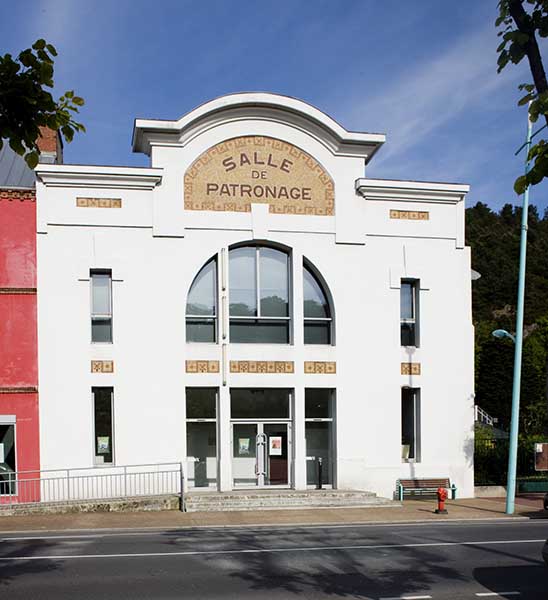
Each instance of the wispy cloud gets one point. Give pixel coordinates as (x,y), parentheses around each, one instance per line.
(431,94)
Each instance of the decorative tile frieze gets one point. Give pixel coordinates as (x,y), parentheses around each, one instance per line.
(202,366)
(99,202)
(411,215)
(17,291)
(19,390)
(261,366)
(102,366)
(320,367)
(410,368)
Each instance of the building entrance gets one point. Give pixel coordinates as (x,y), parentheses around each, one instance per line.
(261,437)
(260,454)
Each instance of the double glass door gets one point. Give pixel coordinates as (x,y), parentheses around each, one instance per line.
(260,454)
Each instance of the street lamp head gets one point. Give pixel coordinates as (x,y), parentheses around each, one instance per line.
(502,333)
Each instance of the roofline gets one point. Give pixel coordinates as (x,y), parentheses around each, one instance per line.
(425,191)
(257,100)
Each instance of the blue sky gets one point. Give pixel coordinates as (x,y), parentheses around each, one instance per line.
(423,72)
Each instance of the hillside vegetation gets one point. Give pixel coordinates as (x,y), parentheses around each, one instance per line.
(494,239)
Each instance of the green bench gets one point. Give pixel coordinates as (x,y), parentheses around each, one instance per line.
(424,486)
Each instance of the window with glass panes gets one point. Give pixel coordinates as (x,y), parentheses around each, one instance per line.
(201,306)
(201,437)
(409,325)
(317,312)
(101,306)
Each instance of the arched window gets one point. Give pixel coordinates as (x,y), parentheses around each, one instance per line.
(201,305)
(259,295)
(318,320)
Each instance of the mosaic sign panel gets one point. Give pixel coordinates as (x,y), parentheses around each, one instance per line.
(99,202)
(202,366)
(256,169)
(412,215)
(102,366)
(261,366)
(320,367)
(410,368)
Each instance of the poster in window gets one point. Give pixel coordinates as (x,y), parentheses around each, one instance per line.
(103,445)
(243,446)
(275,445)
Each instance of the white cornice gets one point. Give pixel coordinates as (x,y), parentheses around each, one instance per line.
(135,178)
(273,107)
(417,191)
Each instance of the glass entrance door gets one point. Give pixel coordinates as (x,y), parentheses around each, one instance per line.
(260,454)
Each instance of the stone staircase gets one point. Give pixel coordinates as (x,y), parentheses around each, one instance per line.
(242,500)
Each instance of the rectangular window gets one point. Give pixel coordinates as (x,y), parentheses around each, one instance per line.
(201,437)
(7,459)
(319,412)
(101,306)
(410,424)
(103,438)
(409,312)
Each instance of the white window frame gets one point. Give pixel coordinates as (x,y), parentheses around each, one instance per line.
(415,394)
(414,320)
(258,317)
(101,316)
(11,420)
(112,425)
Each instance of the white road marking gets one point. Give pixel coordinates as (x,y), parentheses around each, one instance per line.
(496,594)
(407,598)
(270,550)
(148,531)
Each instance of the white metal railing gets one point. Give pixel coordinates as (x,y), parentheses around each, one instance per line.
(480,416)
(90,483)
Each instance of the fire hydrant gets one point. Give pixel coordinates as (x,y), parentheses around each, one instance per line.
(442,497)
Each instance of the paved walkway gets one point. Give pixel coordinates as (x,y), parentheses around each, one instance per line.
(411,510)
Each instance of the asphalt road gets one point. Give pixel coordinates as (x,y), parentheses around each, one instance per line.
(418,561)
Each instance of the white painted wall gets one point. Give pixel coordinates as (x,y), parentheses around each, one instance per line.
(155,249)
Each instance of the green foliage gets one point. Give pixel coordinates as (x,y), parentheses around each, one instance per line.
(26,105)
(494,240)
(521,22)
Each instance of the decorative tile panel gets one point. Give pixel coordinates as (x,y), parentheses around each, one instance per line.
(412,215)
(17,291)
(102,366)
(410,368)
(235,173)
(202,366)
(99,202)
(261,366)
(320,367)
(18,390)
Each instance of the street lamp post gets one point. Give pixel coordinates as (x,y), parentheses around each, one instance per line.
(516,386)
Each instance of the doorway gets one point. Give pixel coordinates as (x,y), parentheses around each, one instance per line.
(260,454)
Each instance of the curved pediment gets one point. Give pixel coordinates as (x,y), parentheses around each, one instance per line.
(270,107)
(235,173)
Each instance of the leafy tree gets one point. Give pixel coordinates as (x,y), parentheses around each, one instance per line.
(26,105)
(522,22)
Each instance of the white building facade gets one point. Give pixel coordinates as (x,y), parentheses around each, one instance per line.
(253,306)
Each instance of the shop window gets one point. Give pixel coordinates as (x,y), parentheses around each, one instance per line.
(259,295)
(101,306)
(409,312)
(317,312)
(103,438)
(201,306)
(7,459)
(201,437)
(269,403)
(410,424)
(319,432)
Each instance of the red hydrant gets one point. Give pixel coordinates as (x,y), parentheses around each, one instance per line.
(442,497)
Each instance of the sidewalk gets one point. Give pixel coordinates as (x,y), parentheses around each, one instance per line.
(411,510)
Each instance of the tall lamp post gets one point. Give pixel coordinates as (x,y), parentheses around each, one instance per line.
(518,346)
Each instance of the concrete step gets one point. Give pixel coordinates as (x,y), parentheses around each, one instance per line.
(282,500)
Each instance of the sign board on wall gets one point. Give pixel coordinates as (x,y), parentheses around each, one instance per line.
(256,169)
(541,457)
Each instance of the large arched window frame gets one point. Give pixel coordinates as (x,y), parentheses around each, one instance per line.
(260,299)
